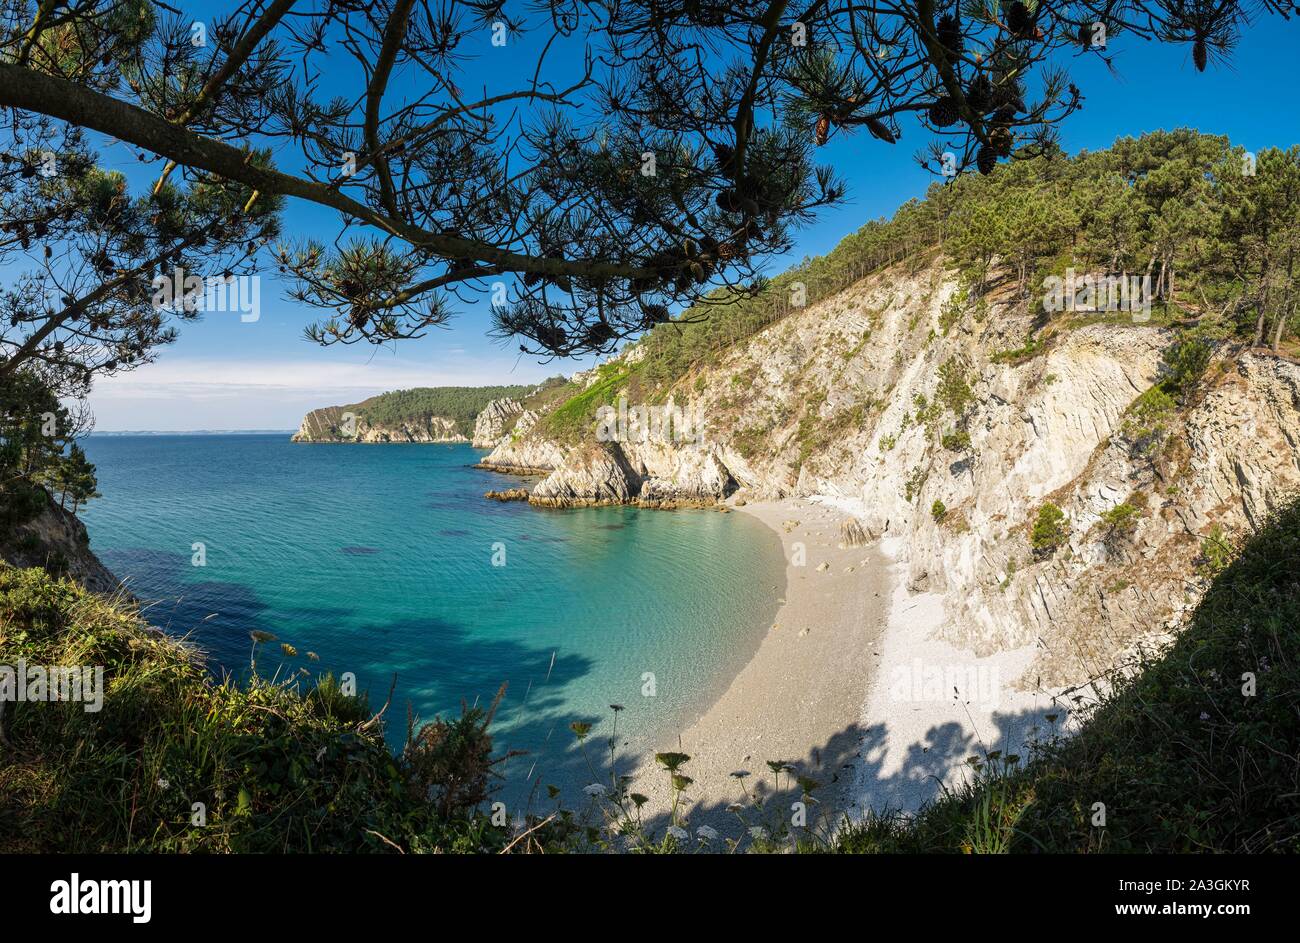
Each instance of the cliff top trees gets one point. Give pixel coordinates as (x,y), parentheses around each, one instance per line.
(655,150)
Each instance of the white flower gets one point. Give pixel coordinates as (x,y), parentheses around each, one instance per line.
(678,833)
(735,807)
(705,833)
(1204,716)
(595,789)
(162,783)
(757,832)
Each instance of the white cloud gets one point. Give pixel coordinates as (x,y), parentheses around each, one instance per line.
(197,393)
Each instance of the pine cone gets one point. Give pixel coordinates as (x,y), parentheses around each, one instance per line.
(1020,21)
(943,113)
(986,159)
(980,94)
(948,29)
(1200,54)
(823,129)
(880,130)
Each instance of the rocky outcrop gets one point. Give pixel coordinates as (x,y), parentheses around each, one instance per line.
(510,494)
(57,541)
(926,418)
(347,424)
(495,422)
(591,475)
(525,455)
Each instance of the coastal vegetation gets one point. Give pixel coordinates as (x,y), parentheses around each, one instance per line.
(1221,281)
(39,456)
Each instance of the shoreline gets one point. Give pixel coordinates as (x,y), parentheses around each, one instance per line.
(853,688)
(799,697)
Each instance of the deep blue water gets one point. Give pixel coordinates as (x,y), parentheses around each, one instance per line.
(379,559)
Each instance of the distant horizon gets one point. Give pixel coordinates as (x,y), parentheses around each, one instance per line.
(125,432)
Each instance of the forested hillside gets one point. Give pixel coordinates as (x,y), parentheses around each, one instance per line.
(1215,227)
(458,403)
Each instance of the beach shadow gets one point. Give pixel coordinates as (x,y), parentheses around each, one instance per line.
(855,774)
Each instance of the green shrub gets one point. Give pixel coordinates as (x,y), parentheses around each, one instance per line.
(938,510)
(958,440)
(1121,520)
(1184,361)
(1051,529)
(278,767)
(1216,553)
(1146,423)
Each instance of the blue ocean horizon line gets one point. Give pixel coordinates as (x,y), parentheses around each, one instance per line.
(182,432)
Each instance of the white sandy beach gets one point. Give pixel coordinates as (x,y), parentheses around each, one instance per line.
(931,705)
(849,687)
(799,697)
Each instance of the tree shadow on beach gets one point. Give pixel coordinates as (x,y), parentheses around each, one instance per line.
(858,770)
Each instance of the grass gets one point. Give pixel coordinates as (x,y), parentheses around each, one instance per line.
(576,416)
(1198,750)
(176,761)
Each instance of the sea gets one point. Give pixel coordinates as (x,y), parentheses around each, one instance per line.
(385,566)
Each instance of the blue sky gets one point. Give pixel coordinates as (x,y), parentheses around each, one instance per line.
(224,374)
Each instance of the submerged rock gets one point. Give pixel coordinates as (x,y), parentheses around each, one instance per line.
(510,494)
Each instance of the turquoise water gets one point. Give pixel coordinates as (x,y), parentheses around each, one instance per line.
(379,558)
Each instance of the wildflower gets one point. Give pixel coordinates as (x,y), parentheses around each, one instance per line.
(595,789)
(162,783)
(704,833)
(678,832)
(757,832)
(735,807)
(1204,715)
(670,761)
(580,729)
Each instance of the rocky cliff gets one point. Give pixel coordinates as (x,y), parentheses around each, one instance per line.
(57,541)
(482,415)
(348,424)
(931,421)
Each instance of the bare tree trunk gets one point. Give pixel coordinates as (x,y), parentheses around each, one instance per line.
(1261,320)
(1282,317)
